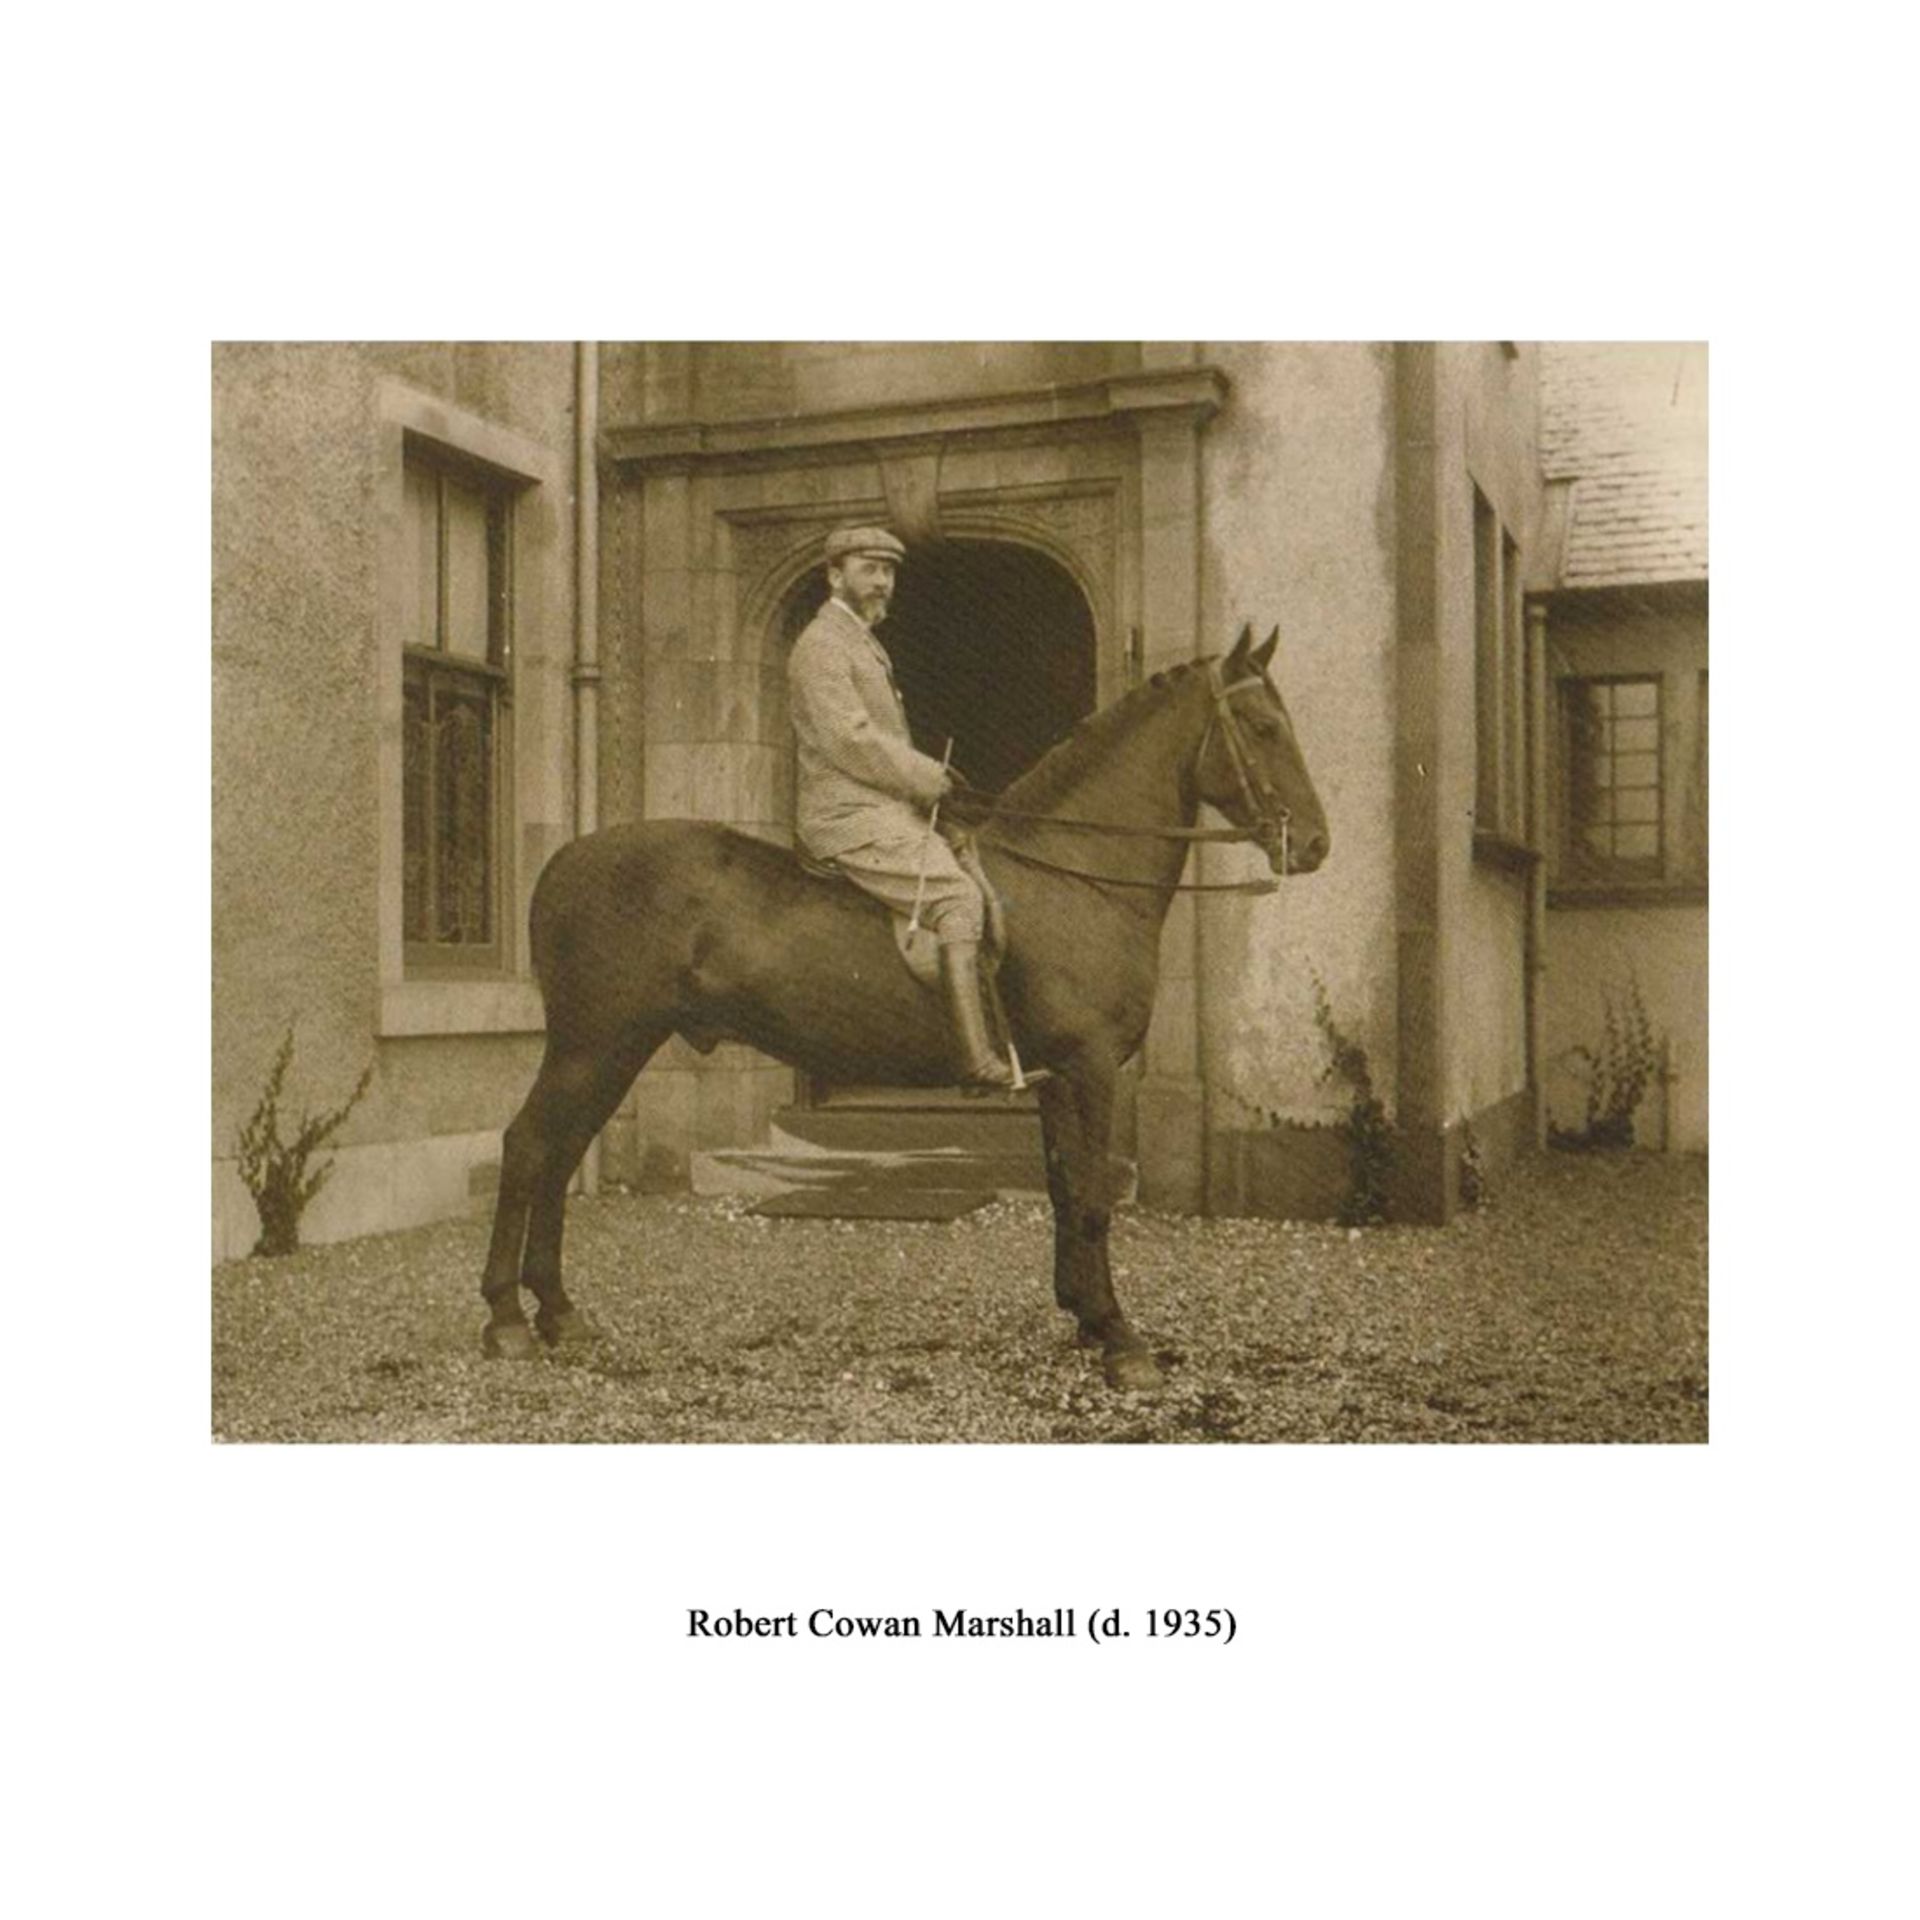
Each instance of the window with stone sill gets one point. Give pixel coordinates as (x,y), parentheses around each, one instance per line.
(1616,799)
(455,714)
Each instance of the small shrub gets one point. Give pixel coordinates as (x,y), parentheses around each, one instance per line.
(1473,1170)
(1619,1071)
(1369,1133)
(281,1174)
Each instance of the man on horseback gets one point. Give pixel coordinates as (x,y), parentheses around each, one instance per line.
(866,794)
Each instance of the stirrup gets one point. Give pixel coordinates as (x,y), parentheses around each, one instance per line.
(1018,1080)
(992,1075)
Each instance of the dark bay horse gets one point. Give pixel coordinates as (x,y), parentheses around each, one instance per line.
(664,927)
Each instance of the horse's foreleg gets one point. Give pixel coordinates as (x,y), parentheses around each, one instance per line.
(1076,1114)
(1061,1132)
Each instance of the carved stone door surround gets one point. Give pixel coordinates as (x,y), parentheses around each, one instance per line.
(729,516)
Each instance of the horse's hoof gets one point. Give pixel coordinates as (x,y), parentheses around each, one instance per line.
(1133,1370)
(512,1341)
(567,1328)
(1086,1339)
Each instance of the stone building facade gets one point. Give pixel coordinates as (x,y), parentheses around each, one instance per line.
(472,600)
(1624,606)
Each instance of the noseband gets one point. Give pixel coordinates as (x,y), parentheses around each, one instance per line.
(1269,818)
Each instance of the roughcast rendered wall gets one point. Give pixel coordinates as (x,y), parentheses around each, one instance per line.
(1296,513)
(296,791)
(1297,474)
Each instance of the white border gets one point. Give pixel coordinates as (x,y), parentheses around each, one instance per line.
(1518,1682)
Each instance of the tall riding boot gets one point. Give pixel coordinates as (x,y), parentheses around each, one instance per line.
(980,1065)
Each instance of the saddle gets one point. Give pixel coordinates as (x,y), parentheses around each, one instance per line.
(918,948)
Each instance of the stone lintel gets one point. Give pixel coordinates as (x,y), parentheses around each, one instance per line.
(915,426)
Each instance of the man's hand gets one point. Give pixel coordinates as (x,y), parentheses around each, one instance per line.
(964,801)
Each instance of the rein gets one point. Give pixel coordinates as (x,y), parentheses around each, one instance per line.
(1261,801)
(1120,832)
(1155,886)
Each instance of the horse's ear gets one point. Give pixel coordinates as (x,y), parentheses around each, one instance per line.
(1260,658)
(1237,658)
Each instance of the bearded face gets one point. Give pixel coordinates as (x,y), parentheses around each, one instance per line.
(865,582)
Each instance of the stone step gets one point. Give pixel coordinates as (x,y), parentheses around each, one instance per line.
(790,1166)
(903,1152)
(841,1201)
(980,1126)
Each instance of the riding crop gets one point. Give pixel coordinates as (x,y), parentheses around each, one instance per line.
(926,846)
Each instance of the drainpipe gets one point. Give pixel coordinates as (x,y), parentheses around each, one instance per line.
(1537,877)
(586,624)
(586,588)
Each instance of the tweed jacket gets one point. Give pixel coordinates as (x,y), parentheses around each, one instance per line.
(861,779)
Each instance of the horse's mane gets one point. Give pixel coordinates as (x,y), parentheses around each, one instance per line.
(1067,762)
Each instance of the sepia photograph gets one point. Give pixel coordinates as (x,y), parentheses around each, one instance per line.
(960,891)
(958,1070)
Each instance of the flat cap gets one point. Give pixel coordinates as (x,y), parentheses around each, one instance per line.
(844,542)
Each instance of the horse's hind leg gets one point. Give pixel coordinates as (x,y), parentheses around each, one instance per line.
(506,1336)
(573,1097)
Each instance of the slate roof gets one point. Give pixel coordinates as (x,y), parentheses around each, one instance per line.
(1626,424)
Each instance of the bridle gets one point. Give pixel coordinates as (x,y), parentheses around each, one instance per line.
(1269,816)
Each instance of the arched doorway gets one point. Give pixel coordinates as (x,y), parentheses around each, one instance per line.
(992,644)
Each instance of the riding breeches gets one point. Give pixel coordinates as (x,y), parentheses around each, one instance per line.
(890,869)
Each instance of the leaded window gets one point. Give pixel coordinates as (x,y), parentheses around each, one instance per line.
(457,596)
(1614,791)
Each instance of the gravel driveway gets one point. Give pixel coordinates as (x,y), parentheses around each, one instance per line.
(1571,1306)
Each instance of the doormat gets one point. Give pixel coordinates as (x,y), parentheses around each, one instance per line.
(836,1202)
